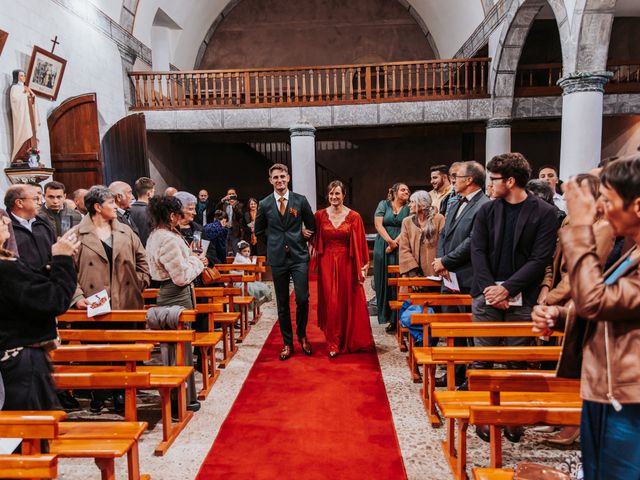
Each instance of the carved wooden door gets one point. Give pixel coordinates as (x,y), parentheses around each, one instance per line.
(75,142)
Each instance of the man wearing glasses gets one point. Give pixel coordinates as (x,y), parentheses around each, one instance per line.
(512,243)
(34,234)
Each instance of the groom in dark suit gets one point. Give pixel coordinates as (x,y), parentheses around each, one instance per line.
(279,223)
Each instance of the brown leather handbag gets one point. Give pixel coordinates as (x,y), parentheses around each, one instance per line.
(210,275)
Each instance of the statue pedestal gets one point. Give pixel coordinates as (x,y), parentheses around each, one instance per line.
(28,175)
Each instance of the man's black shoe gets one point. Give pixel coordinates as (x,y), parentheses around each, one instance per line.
(513,433)
(441,381)
(194,406)
(96,405)
(118,403)
(464,386)
(483,432)
(68,401)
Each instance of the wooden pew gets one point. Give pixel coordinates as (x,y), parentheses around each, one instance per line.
(211,301)
(102,441)
(407,283)
(497,381)
(251,273)
(179,337)
(161,378)
(503,415)
(213,307)
(451,326)
(28,466)
(430,300)
(125,377)
(422,356)
(510,387)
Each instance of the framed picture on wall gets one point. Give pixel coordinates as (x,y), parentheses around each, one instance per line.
(3,39)
(45,73)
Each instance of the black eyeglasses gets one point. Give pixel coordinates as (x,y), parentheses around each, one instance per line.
(493,179)
(454,177)
(35,199)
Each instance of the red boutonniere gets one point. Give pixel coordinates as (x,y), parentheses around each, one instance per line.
(293,212)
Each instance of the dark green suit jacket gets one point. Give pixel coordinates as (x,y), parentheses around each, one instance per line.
(282,233)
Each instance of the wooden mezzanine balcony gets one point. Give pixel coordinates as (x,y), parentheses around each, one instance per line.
(534,80)
(311,86)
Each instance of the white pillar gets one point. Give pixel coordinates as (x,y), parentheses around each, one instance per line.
(498,140)
(303,161)
(581,144)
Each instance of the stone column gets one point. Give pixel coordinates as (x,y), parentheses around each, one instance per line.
(303,161)
(498,137)
(582,94)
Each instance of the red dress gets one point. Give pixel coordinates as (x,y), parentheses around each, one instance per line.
(342,307)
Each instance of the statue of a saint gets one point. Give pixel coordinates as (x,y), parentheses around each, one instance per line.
(25,118)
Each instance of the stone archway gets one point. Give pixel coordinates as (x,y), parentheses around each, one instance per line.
(591,31)
(517,24)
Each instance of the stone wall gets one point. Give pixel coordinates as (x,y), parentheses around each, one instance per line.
(282,33)
(93,65)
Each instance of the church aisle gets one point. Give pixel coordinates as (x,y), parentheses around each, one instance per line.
(308,417)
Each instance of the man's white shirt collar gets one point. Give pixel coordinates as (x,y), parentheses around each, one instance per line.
(277,196)
(471,195)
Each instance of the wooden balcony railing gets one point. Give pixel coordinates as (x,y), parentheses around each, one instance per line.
(388,82)
(540,79)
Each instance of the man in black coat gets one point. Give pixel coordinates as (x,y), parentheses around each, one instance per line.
(279,222)
(34,234)
(139,210)
(454,246)
(513,241)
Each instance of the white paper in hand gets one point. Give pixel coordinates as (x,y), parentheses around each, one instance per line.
(452,284)
(98,304)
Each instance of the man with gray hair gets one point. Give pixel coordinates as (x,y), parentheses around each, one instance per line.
(454,247)
(124,197)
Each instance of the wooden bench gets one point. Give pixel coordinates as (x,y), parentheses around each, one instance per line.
(179,337)
(493,474)
(102,441)
(401,283)
(451,326)
(204,341)
(508,387)
(161,378)
(430,300)
(251,273)
(28,466)
(70,377)
(212,301)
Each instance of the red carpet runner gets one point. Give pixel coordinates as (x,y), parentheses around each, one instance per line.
(308,418)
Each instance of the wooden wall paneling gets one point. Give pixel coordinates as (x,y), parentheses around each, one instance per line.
(75,142)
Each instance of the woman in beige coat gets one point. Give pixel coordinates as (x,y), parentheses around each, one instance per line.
(111,258)
(419,236)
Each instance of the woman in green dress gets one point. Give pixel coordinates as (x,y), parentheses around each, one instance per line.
(388,220)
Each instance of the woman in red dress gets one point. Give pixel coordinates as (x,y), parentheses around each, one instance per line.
(342,258)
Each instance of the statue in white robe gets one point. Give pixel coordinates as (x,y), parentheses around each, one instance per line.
(25,118)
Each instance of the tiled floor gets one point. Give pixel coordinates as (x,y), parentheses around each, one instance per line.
(419,443)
